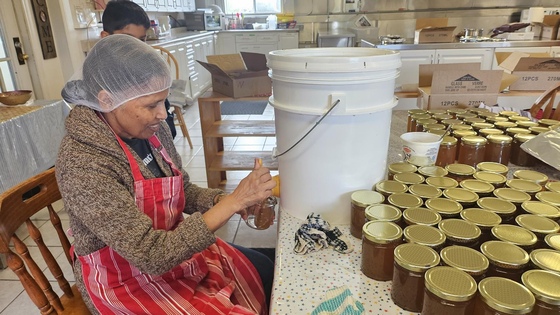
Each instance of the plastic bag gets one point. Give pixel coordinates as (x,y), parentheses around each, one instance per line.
(545,147)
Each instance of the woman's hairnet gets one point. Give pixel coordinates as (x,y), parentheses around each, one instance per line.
(124,68)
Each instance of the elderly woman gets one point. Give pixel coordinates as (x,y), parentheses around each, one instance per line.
(125,192)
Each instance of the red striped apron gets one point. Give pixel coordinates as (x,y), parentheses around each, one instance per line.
(219,280)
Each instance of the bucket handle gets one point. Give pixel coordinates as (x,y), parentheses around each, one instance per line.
(308,132)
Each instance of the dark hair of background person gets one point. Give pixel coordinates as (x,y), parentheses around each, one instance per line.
(120,13)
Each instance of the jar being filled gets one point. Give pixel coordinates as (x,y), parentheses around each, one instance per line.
(262,217)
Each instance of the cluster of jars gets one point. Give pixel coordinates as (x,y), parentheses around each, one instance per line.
(478,135)
(462,239)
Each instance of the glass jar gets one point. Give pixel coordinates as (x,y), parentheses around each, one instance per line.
(547,122)
(451,122)
(518,118)
(463,196)
(493,167)
(429,127)
(389,187)
(514,196)
(544,286)
(503,208)
(411,263)
(498,149)
(508,113)
(553,241)
(495,119)
(441,182)
(482,125)
(424,235)
(465,115)
(405,200)
(424,191)
(439,132)
(460,232)
(512,132)
(519,156)
(499,296)
(504,125)
(477,110)
(465,259)
(410,113)
(400,167)
(485,115)
(546,259)
(420,123)
(447,151)
(380,238)
(538,130)
(421,216)
(484,219)
(460,171)
(461,126)
(409,178)
(416,117)
(383,213)
(445,207)
(359,201)
(475,120)
(456,111)
(482,189)
(432,171)
(459,134)
(497,180)
(541,209)
(442,116)
(534,176)
(553,186)
(436,111)
(527,124)
(541,226)
(489,131)
(448,291)
(515,235)
(506,260)
(472,150)
(524,185)
(549,197)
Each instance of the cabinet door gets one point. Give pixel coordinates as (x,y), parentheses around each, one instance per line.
(256,48)
(188,5)
(288,40)
(495,66)
(555,51)
(225,44)
(482,55)
(411,60)
(207,49)
(179,51)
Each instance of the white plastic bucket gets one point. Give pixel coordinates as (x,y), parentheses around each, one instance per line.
(347,151)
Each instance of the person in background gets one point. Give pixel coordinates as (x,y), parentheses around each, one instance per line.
(126,193)
(127,17)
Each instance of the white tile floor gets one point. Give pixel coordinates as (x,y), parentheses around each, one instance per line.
(13,299)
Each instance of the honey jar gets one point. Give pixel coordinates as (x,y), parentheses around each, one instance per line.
(359,201)
(513,131)
(534,176)
(508,113)
(411,263)
(445,207)
(448,291)
(472,150)
(414,118)
(504,125)
(474,120)
(383,212)
(439,132)
(495,119)
(424,235)
(463,196)
(380,238)
(477,110)
(489,131)
(484,219)
(517,197)
(410,113)
(409,178)
(498,149)
(483,189)
(388,187)
(460,232)
(538,130)
(436,111)
(505,209)
(527,124)
(451,122)
(515,235)
(400,167)
(499,296)
(544,286)
(466,115)
(432,171)
(549,197)
(442,116)
(436,126)
(465,259)
(421,123)
(524,185)
(459,134)
(405,200)
(456,111)
(547,122)
(541,209)
(519,156)
(498,180)
(485,115)
(519,118)
(460,171)
(441,182)
(481,125)
(447,151)
(541,226)
(424,191)
(421,216)
(553,241)
(493,167)
(553,186)
(506,260)
(461,126)
(546,259)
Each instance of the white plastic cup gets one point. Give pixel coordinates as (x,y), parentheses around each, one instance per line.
(420,148)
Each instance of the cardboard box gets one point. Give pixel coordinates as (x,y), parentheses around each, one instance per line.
(549,28)
(427,100)
(239,75)
(536,71)
(433,30)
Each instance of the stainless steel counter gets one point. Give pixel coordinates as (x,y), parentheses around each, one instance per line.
(506,44)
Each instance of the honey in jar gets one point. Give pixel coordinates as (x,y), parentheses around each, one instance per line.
(432,171)
(553,241)
(380,238)
(544,286)
(508,113)
(515,235)
(447,151)
(411,263)
(553,186)
(517,197)
(527,124)
(482,189)
(442,116)
(451,122)
(499,296)
(460,232)
(498,149)
(524,185)
(448,291)
(513,131)
(409,117)
(498,180)
(546,259)
(538,130)
(465,259)
(505,209)
(472,150)
(463,196)
(506,260)
(482,125)
(489,131)
(383,212)
(463,116)
(424,191)
(484,219)
(493,167)
(445,207)
(541,226)
(400,167)
(416,117)
(549,197)
(518,118)
(421,123)
(504,125)
(548,122)
(441,182)
(421,216)
(405,200)
(388,187)
(455,111)
(485,115)
(459,134)
(460,171)
(519,156)
(495,119)
(475,120)
(409,178)
(359,201)
(424,235)
(429,127)
(531,175)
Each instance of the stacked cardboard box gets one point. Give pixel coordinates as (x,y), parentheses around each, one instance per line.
(433,30)
(536,71)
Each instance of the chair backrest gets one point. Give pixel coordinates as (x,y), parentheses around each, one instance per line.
(17,205)
(170,59)
(546,103)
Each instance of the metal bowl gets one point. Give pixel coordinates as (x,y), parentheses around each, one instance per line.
(15,97)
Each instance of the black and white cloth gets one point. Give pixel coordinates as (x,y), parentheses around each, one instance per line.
(317,234)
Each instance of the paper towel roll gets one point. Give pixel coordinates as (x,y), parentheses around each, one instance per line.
(536,15)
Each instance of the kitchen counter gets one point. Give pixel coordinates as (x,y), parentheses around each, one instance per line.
(455,45)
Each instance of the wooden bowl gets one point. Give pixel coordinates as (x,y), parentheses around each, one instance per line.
(15,97)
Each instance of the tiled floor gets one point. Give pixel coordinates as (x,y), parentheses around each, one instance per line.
(13,299)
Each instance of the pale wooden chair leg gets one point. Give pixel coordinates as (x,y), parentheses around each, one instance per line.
(177,109)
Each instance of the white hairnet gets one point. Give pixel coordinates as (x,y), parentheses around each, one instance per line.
(122,66)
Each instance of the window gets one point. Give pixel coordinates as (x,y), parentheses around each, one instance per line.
(253,6)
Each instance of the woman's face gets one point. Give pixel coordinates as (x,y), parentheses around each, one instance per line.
(139,118)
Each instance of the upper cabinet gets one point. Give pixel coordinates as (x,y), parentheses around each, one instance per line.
(167,5)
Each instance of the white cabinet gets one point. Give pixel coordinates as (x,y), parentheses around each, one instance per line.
(187,5)
(495,66)
(207,48)
(225,43)
(179,51)
(258,41)
(288,40)
(477,55)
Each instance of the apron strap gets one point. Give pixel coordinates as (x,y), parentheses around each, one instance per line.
(154,141)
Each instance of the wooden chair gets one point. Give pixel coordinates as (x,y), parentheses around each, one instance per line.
(171,60)
(546,102)
(17,205)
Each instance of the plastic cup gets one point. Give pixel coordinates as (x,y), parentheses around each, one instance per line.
(420,148)
(262,216)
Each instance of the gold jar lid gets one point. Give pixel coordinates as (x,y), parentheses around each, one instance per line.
(423,235)
(409,178)
(444,207)
(504,125)
(519,118)
(426,121)
(492,167)
(451,122)
(500,139)
(432,171)
(448,140)
(473,120)
(516,131)
(421,216)
(496,205)
(477,110)
(504,254)
(442,116)
(440,132)
(441,182)
(383,212)
(545,285)
(489,177)
(401,167)
(508,113)
(420,116)
(460,133)
(390,187)
(461,195)
(487,114)
(460,169)
(436,111)
(553,186)
(424,191)
(541,209)
(534,176)
(455,111)
(474,140)
(434,127)
(524,185)
(416,111)
(537,224)
(521,137)
(382,232)
(512,195)
(466,115)
(461,127)
(495,119)
(538,130)
(459,230)
(404,200)
(527,124)
(450,284)
(416,257)
(466,259)
(548,122)
(481,218)
(490,131)
(553,241)
(546,259)
(364,198)
(514,234)
(506,296)
(482,125)
(550,197)
(477,186)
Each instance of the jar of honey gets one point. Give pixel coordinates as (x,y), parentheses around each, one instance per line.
(477,110)
(432,171)
(383,212)
(472,150)
(424,191)
(527,124)
(447,151)
(463,196)
(544,286)
(518,118)
(499,296)
(436,126)
(445,207)
(493,167)
(451,122)
(411,263)
(400,167)
(460,232)
(448,291)
(553,241)
(442,116)
(461,126)
(498,149)
(489,131)
(405,200)
(504,125)
(459,134)
(506,260)
(436,111)
(517,197)
(498,180)
(475,120)
(515,235)
(519,156)
(524,185)
(549,197)
(538,130)
(541,209)
(456,111)
(546,259)
(460,171)
(409,117)
(441,182)
(534,176)
(420,123)
(421,216)
(380,238)
(485,115)
(512,132)
(414,118)
(548,122)
(409,178)
(495,119)
(483,189)
(484,219)
(424,235)
(505,209)
(359,201)
(508,113)
(389,187)
(482,125)
(465,259)
(541,226)
(553,186)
